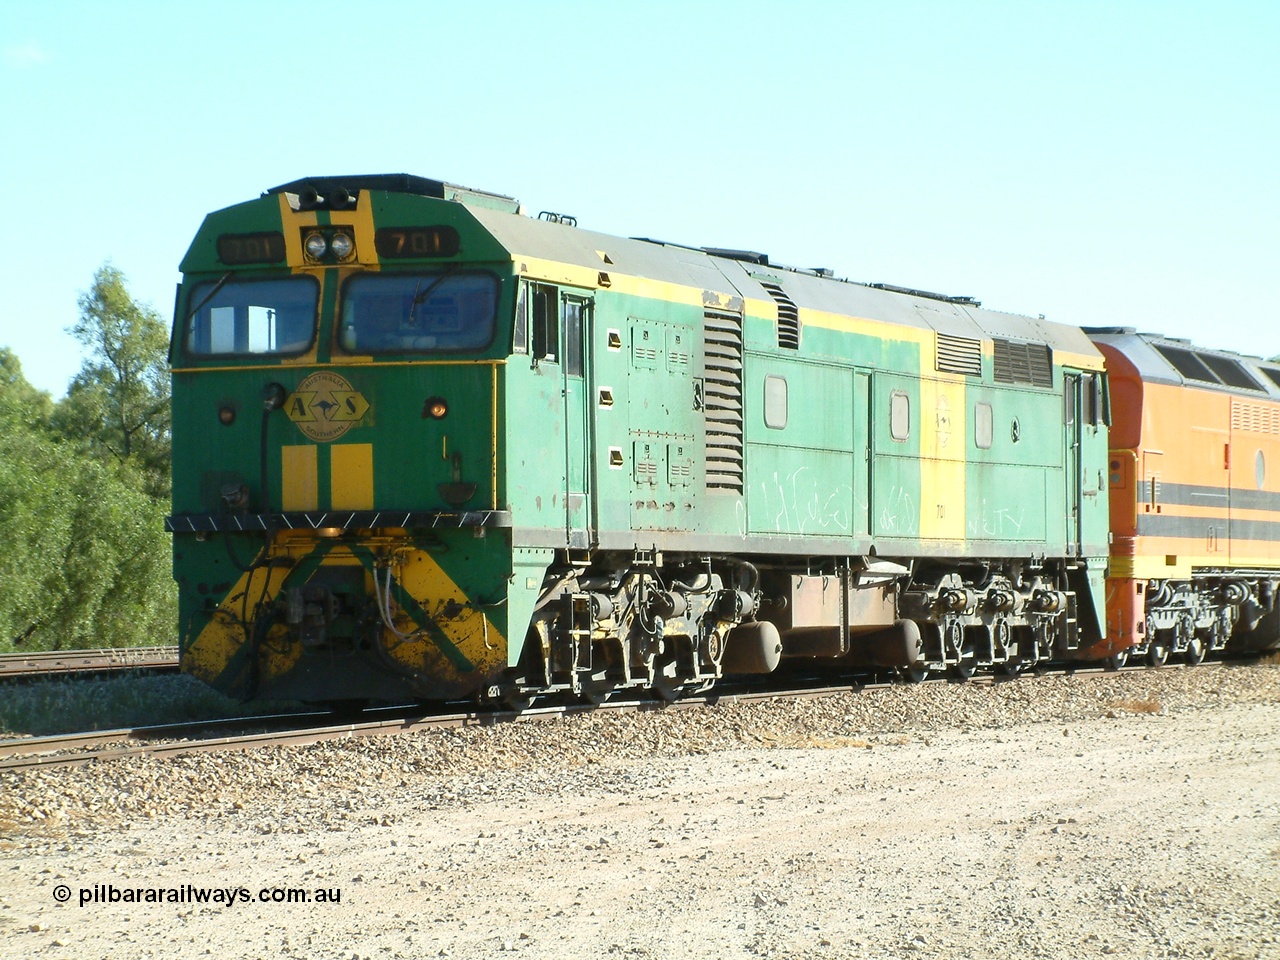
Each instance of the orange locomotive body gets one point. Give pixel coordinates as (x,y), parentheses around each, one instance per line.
(1195,499)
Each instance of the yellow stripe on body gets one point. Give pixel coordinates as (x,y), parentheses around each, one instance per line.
(347,361)
(1157,567)
(553,271)
(924,337)
(352,476)
(942,458)
(361,219)
(1260,561)
(293,221)
(1078,361)
(300,479)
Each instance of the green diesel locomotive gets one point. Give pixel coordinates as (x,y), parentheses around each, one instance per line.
(429,447)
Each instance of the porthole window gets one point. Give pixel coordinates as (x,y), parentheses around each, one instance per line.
(775,403)
(982,426)
(899,416)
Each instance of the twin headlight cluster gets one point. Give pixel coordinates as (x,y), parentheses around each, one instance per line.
(328,246)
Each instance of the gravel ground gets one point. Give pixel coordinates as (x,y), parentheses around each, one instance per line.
(1135,815)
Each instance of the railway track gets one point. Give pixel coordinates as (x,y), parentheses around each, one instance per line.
(245,733)
(298,729)
(33,666)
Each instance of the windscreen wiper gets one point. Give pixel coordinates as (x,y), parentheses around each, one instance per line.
(208,296)
(421,297)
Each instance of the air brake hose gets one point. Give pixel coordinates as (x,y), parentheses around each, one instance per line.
(273,398)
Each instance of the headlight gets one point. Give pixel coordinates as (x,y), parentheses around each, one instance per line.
(316,246)
(342,246)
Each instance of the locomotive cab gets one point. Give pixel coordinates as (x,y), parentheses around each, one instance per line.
(336,430)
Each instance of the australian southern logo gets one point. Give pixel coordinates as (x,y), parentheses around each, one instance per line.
(325,406)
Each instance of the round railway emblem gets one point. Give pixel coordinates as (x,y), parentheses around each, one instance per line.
(325,406)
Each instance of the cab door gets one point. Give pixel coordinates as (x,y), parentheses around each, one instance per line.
(575,328)
(1071,390)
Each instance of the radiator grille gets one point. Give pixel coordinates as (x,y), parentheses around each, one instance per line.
(788,316)
(1029,363)
(1254,417)
(722,400)
(959,355)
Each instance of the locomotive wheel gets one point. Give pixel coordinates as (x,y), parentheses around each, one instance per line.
(514,698)
(668,689)
(1158,652)
(912,674)
(1117,660)
(1196,650)
(965,669)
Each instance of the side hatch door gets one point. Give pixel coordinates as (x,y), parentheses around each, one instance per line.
(575,327)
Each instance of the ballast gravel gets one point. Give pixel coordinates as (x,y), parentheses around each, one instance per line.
(1133,814)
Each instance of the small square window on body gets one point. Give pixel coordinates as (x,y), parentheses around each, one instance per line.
(775,403)
(899,416)
(982,426)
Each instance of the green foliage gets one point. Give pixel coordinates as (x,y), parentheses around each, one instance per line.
(118,404)
(86,558)
(21,404)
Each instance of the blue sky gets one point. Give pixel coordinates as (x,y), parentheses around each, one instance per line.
(1100,163)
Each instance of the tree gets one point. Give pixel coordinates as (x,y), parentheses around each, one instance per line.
(85,559)
(20,402)
(118,404)
(84,487)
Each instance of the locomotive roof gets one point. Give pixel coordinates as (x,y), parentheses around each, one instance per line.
(558,242)
(746,273)
(1160,359)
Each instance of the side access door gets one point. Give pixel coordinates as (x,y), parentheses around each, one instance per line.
(1073,420)
(575,329)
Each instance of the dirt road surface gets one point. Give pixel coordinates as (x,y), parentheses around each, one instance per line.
(1142,820)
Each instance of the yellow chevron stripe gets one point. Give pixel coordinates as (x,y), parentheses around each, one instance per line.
(450,607)
(212,651)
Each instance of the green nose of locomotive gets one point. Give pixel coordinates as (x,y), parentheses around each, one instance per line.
(337,518)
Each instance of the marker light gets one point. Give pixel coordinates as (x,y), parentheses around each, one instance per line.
(435,408)
(342,246)
(316,246)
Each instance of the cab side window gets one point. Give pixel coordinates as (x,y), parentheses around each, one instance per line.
(545,321)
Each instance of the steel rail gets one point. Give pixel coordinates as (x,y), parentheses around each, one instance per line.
(172,739)
(16,666)
(176,739)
